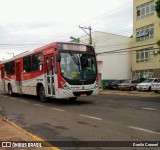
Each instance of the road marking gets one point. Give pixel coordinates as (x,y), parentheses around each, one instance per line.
(152,109)
(38,105)
(57,109)
(24,101)
(91,117)
(145,130)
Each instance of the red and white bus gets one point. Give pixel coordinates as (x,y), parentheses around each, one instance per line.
(57,70)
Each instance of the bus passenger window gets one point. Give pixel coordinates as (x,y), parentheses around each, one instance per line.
(47,65)
(37,62)
(53,65)
(10,68)
(27,64)
(6,68)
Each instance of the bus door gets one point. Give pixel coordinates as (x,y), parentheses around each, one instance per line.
(50,67)
(18,77)
(2,79)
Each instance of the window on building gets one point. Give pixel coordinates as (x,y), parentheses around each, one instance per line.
(138,13)
(144,74)
(144,33)
(143,55)
(10,68)
(145,10)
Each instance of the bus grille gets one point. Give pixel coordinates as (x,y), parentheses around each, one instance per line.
(82,93)
(77,82)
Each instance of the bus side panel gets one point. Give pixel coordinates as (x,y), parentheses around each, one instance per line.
(30,86)
(14,86)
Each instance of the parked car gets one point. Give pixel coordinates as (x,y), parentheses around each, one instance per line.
(107,85)
(156,86)
(128,85)
(146,84)
(114,84)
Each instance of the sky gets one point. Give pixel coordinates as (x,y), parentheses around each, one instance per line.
(28,24)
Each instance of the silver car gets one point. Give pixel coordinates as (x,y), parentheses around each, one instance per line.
(128,85)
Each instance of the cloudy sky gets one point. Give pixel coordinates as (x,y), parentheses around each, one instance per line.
(27,24)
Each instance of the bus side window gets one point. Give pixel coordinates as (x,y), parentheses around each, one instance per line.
(40,62)
(27,64)
(37,62)
(53,64)
(6,68)
(12,67)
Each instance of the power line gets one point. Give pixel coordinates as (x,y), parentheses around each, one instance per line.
(121,50)
(108,17)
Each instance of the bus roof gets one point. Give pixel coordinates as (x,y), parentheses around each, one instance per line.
(23,54)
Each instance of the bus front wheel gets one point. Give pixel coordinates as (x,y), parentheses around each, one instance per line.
(42,94)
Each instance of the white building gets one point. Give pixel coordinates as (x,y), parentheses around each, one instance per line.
(111,66)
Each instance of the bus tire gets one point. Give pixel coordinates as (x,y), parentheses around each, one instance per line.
(149,89)
(131,89)
(10,90)
(42,95)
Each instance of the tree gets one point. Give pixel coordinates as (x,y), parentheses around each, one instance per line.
(157,8)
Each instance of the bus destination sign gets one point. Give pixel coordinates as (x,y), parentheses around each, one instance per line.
(72,47)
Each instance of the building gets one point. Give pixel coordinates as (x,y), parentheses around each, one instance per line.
(111,65)
(146,32)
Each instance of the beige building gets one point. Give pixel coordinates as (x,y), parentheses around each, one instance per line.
(146,32)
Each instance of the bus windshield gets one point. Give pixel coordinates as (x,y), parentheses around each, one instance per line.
(78,66)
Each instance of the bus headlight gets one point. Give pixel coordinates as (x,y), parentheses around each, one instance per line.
(65,86)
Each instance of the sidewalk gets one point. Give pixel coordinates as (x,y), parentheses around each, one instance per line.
(10,132)
(130,93)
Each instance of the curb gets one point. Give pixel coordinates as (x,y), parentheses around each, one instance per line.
(30,134)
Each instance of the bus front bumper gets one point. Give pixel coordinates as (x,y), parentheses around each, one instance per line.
(80,93)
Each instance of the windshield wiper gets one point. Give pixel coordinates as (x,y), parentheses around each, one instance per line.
(75,58)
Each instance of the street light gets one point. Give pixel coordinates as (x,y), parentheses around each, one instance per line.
(73,38)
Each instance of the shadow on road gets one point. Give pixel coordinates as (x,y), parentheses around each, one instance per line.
(30,98)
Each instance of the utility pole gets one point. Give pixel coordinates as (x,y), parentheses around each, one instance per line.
(89,34)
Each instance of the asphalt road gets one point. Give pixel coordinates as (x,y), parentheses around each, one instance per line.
(104,117)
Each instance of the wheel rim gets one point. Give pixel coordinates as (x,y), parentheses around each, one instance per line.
(42,94)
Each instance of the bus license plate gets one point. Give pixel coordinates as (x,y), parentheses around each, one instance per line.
(83,95)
